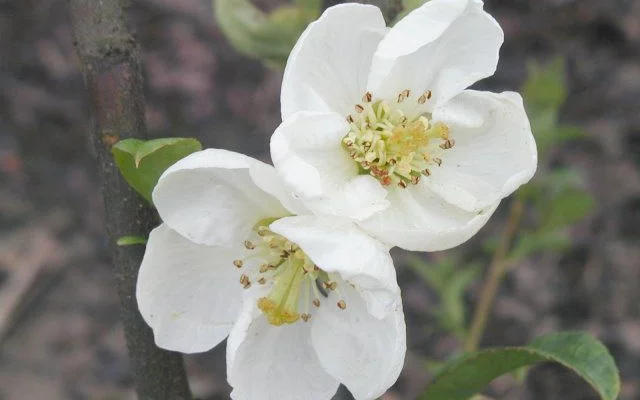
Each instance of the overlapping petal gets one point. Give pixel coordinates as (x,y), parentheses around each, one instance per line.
(421,220)
(444,46)
(328,67)
(363,352)
(215,197)
(495,151)
(187,293)
(339,246)
(275,363)
(307,151)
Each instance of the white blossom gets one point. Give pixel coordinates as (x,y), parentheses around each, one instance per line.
(307,302)
(379,126)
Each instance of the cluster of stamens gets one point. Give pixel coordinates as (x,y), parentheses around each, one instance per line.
(289,271)
(392,147)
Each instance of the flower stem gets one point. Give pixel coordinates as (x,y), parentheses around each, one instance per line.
(497,271)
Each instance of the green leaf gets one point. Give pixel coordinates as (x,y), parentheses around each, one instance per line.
(566,208)
(532,243)
(142,162)
(545,87)
(131,240)
(450,283)
(580,352)
(268,37)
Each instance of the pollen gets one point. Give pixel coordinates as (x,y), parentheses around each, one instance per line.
(392,146)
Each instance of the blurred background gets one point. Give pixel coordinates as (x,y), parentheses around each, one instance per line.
(60,337)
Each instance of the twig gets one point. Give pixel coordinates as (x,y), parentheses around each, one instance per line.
(112,71)
(497,271)
(24,273)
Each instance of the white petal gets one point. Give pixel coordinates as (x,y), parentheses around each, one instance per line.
(494,154)
(420,220)
(443,46)
(275,362)
(307,151)
(215,197)
(363,352)
(328,67)
(188,293)
(338,246)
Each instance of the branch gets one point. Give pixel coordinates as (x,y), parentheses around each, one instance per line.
(497,271)
(112,71)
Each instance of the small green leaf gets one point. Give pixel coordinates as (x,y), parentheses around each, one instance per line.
(545,87)
(531,243)
(580,352)
(142,162)
(566,208)
(268,37)
(130,240)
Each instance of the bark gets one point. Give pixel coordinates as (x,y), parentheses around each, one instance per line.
(112,70)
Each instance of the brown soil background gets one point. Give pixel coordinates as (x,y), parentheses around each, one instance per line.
(64,340)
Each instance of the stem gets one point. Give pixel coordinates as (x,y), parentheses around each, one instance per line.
(497,271)
(112,71)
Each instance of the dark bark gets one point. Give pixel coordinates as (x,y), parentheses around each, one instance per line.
(112,70)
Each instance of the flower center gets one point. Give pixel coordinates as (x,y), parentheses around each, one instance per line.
(290,273)
(395,148)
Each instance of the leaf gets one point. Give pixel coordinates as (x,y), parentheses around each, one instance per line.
(580,352)
(130,240)
(268,37)
(566,208)
(142,162)
(532,243)
(545,87)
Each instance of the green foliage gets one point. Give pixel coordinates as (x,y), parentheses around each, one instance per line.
(268,37)
(450,283)
(464,377)
(142,162)
(130,240)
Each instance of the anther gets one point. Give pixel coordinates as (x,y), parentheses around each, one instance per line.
(428,94)
(403,95)
(238,263)
(359,108)
(426,172)
(367,97)
(249,245)
(402,184)
(264,268)
(447,144)
(350,119)
(438,161)
(316,302)
(244,281)
(415,179)
(305,317)
(330,285)
(422,99)
(342,305)
(262,280)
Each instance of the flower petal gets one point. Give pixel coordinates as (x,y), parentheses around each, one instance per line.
(187,293)
(328,67)
(215,197)
(420,220)
(495,151)
(443,46)
(308,154)
(339,246)
(363,352)
(275,362)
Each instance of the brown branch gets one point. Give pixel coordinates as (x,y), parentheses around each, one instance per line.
(112,71)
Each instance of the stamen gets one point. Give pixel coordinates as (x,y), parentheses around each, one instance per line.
(238,263)
(342,304)
(367,97)
(403,95)
(249,245)
(359,108)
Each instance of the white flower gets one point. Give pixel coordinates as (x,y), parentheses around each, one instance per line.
(378,125)
(307,302)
